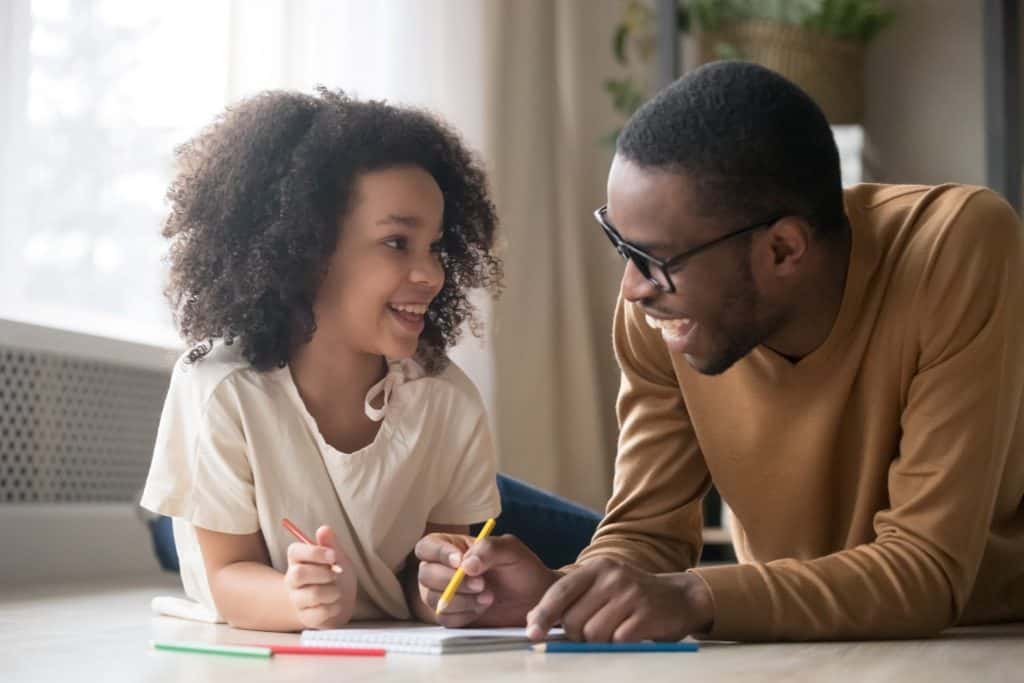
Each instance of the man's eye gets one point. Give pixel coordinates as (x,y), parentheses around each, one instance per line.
(675,267)
(396,242)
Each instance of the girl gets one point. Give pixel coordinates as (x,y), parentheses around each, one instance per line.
(322,250)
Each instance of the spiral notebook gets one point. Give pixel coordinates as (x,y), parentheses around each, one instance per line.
(424,639)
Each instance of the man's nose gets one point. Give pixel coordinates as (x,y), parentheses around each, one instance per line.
(636,287)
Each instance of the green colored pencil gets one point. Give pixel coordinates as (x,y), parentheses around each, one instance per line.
(210,648)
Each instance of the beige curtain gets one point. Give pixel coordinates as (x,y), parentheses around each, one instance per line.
(555,378)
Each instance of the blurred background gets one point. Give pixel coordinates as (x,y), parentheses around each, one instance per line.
(97,93)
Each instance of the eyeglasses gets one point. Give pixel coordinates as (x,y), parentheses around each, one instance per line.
(656,270)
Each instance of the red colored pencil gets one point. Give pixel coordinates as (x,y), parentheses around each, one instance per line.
(322,650)
(297,533)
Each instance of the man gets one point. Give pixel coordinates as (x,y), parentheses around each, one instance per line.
(847,367)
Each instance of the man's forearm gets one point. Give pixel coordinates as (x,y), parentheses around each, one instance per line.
(876,590)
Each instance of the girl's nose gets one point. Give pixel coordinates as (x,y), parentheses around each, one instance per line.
(428,272)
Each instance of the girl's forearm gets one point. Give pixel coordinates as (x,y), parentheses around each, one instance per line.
(411,586)
(254,596)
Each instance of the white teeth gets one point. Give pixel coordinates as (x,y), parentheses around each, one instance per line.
(674,326)
(415,309)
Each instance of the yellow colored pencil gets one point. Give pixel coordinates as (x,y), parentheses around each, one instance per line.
(456,579)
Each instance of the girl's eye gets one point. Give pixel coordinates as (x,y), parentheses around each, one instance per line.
(436,247)
(396,242)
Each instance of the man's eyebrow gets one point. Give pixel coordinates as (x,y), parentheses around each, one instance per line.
(656,246)
(651,247)
(645,246)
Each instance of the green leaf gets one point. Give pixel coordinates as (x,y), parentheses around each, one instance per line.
(683,21)
(610,138)
(726,50)
(857,20)
(627,96)
(619,43)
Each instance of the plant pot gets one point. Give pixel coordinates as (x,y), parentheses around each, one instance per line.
(829,69)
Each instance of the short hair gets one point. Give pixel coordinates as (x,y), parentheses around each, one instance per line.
(255,211)
(755,143)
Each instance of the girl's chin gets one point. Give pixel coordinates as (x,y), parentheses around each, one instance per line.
(400,349)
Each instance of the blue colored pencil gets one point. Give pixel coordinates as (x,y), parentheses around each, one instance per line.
(569,646)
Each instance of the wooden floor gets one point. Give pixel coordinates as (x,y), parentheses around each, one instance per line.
(100,632)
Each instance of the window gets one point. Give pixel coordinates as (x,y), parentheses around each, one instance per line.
(850,142)
(99,93)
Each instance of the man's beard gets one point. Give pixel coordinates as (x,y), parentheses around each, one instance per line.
(737,345)
(742,327)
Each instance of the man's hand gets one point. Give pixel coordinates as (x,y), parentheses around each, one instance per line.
(504,579)
(605,601)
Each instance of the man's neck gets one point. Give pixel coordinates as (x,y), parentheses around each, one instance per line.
(819,303)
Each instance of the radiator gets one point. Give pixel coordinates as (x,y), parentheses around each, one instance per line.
(78,418)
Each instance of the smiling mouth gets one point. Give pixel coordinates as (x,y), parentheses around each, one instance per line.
(411,317)
(674,327)
(409,309)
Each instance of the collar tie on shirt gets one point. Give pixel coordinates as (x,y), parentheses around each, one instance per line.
(399,371)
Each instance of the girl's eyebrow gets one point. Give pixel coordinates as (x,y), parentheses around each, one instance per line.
(400,219)
(405,221)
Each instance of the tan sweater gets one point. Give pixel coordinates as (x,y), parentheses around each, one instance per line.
(877,484)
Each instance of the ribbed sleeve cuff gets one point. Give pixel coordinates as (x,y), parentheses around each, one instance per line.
(742,604)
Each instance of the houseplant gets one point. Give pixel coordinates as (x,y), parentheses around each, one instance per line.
(818,44)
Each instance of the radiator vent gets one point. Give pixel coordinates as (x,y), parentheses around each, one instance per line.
(75,430)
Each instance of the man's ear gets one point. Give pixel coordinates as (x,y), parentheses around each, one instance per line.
(788,241)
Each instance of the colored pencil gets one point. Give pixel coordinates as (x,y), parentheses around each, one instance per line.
(453,584)
(211,648)
(323,650)
(568,646)
(297,533)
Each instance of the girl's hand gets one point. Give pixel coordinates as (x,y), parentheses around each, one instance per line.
(322,598)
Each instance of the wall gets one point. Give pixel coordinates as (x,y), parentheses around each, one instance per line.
(925,116)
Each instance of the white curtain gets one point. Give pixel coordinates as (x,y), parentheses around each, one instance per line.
(97,92)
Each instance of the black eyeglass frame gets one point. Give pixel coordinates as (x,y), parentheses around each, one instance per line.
(643,261)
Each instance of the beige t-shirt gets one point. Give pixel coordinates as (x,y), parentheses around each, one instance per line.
(237,451)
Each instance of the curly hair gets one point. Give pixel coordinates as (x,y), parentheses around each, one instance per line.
(255,212)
